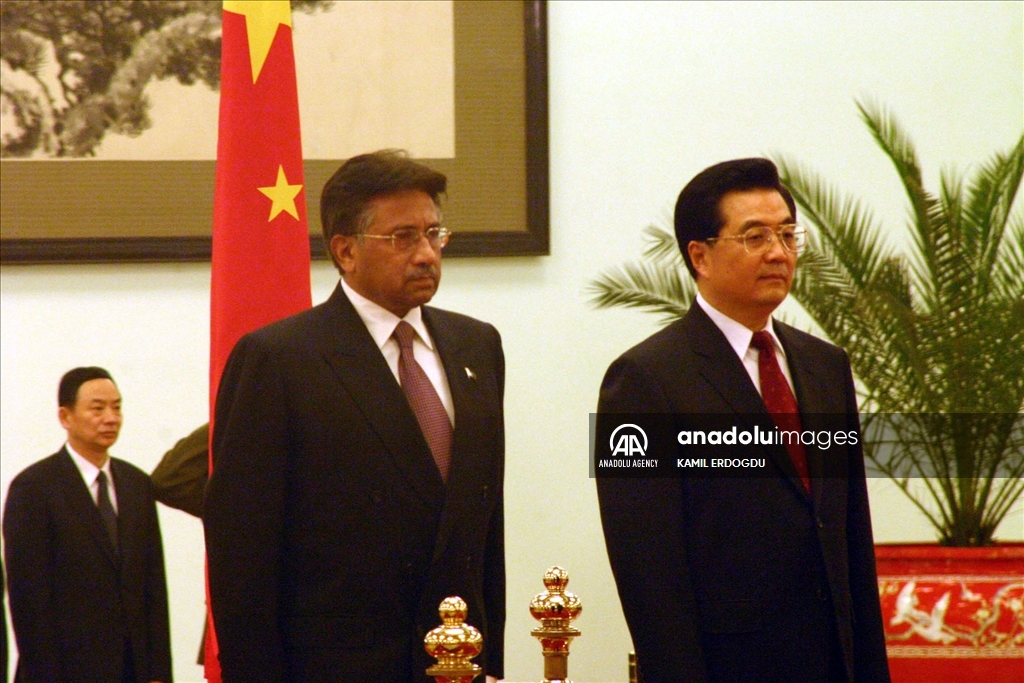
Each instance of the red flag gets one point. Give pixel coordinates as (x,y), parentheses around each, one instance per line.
(260,270)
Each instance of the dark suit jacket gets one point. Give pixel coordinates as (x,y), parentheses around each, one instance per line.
(74,600)
(331,538)
(727,579)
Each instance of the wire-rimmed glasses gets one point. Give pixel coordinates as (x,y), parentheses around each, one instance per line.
(406,239)
(758,240)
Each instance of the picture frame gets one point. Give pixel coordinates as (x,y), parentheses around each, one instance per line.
(107,211)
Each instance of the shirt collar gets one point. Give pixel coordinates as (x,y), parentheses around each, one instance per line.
(381,323)
(737,334)
(88,471)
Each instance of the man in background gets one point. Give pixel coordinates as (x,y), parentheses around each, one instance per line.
(84,555)
(768,578)
(359,457)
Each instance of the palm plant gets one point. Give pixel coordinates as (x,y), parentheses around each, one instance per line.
(935,333)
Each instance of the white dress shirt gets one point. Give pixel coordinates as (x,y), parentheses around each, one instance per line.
(381,324)
(739,336)
(90,473)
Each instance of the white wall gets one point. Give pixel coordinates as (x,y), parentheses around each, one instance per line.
(643,95)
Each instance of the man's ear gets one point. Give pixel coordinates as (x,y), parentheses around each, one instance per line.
(698,256)
(62,415)
(342,247)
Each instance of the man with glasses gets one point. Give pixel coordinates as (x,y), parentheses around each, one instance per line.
(767,578)
(359,456)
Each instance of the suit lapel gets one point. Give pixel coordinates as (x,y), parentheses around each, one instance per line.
(464,384)
(724,371)
(460,384)
(813,396)
(358,364)
(449,347)
(129,508)
(81,506)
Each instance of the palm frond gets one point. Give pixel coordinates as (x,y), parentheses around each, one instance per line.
(848,232)
(645,286)
(659,284)
(991,198)
(1006,281)
(894,141)
(662,246)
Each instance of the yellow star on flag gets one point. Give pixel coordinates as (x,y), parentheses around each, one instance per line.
(262,18)
(282,195)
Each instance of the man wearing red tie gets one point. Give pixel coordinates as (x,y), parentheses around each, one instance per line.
(762,579)
(359,457)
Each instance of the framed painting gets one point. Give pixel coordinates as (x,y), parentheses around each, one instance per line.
(66,208)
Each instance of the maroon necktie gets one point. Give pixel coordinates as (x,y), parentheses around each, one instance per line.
(779,400)
(423,398)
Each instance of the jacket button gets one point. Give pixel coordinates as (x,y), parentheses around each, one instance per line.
(821,524)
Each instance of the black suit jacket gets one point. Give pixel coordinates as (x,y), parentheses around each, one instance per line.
(730,579)
(330,535)
(74,600)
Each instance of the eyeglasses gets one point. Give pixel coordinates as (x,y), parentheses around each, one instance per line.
(759,240)
(406,239)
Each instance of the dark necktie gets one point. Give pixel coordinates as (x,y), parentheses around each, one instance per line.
(780,401)
(423,398)
(107,513)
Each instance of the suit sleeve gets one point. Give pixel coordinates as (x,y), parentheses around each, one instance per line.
(643,529)
(494,565)
(870,661)
(29,579)
(179,481)
(244,513)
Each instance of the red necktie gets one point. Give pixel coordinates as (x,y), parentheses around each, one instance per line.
(423,398)
(780,401)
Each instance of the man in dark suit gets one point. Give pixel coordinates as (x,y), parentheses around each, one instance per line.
(84,556)
(767,578)
(359,457)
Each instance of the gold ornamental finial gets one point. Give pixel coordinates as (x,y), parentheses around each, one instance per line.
(453,644)
(555,608)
